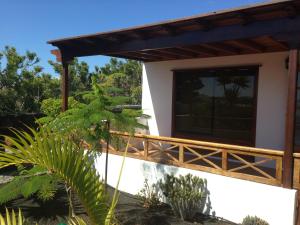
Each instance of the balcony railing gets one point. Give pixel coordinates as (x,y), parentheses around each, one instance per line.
(254,164)
(296,181)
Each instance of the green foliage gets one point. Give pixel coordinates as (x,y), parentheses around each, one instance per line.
(29,182)
(62,157)
(23,85)
(254,220)
(52,107)
(149,195)
(186,194)
(88,121)
(121,78)
(79,75)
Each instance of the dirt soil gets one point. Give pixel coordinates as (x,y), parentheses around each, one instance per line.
(129,211)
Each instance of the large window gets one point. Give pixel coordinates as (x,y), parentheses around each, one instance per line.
(216,104)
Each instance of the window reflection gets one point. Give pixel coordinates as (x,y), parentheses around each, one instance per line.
(216,103)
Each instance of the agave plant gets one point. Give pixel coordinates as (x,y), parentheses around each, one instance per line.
(67,160)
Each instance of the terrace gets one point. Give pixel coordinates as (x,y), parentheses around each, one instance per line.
(264,36)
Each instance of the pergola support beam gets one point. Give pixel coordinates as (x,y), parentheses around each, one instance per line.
(290,119)
(65,85)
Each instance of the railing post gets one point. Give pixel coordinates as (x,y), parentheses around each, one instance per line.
(224,159)
(279,170)
(146,145)
(181,154)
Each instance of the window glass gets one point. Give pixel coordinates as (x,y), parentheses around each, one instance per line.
(216,103)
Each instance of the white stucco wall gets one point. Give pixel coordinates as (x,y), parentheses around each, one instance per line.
(230,198)
(271,101)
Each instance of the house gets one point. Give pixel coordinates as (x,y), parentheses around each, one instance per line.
(222,92)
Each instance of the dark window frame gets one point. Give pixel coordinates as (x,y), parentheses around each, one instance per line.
(216,139)
(296,145)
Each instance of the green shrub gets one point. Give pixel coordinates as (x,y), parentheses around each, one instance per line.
(254,220)
(186,194)
(149,195)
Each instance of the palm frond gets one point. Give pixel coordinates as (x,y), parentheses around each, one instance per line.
(64,158)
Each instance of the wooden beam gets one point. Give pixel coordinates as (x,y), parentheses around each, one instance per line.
(157,55)
(197,51)
(124,57)
(245,18)
(180,52)
(222,48)
(205,25)
(278,43)
(291,10)
(167,53)
(170,29)
(141,56)
(65,85)
(170,52)
(283,27)
(57,54)
(290,120)
(185,52)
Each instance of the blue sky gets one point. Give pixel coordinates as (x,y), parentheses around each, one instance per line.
(29,24)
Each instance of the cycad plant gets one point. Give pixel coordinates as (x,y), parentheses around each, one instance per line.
(61,157)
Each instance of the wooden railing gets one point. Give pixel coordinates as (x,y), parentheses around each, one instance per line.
(254,164)
(296,180)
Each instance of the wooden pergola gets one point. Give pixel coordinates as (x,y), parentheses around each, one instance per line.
(261,28)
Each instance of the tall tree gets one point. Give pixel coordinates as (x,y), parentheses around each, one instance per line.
(23,85)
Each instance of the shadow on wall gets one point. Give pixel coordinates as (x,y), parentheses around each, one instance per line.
(156,172)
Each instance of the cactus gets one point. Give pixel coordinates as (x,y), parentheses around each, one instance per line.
(254,220)
(186,194)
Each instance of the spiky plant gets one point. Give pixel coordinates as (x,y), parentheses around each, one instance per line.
(67,160)
(12,218)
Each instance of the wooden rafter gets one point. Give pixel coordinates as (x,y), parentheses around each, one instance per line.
(198,51)
(222,48)
(248,44)
(155,55)
(277,43)
(164,53)
(170,52)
